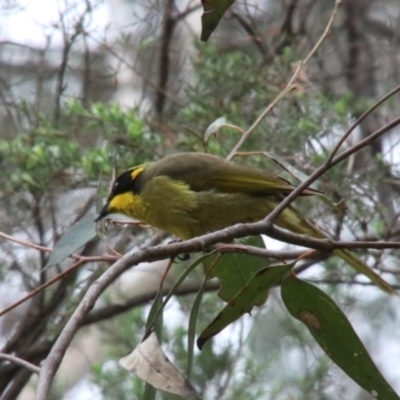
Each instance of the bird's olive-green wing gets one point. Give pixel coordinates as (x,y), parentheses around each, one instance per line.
(207,172)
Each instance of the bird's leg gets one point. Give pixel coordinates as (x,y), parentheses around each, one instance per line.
(180,257)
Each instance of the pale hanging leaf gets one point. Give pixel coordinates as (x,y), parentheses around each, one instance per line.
(150,364)
(214,128)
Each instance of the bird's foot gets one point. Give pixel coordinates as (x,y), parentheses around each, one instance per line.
(180,257)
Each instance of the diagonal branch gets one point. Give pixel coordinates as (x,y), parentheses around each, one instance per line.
(113,310)
(19,361)
(289,87)
(328,165)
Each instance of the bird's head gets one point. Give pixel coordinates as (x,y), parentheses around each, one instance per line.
(124,193)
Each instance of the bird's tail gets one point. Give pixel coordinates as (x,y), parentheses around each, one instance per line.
(292,220)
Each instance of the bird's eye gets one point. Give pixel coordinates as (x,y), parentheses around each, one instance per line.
(115,186)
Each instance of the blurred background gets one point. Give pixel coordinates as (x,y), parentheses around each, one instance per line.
(89,87)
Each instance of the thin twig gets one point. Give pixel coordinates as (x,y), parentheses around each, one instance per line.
(345,282)
(26,243)
(326,33)
(83,260)
(146,80)
(289,87)
(359,120)
(35,246)
(235,127)
(259,252)
(325,167)
(257,122)
(168,28)
(113,310)
(21,362)
(250,29)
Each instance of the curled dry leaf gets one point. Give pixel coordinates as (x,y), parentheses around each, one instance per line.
(149,363)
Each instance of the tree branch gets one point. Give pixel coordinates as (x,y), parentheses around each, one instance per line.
(325,167)
(117,309)
(134,257)
(19,361)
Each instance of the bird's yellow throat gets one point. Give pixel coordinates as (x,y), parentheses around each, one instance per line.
(127,203)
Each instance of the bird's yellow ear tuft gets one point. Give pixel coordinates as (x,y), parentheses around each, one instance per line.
(136,172)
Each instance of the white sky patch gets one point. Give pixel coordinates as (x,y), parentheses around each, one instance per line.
(391,148)
(34,20)
(84,390)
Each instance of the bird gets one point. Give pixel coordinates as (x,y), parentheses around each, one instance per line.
(191,194)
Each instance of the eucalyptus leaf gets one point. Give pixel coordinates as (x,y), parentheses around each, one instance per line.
(234,270)
(336,336)
(192,327)
(156,309)
(254,293)
(73,239)
(213,12)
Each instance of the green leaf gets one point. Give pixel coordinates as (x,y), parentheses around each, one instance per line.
(154,322)
(234,270)
(253,294)
(213,12)
(155,317)
(149,392)
(192,327)
(151,323)
(334,333)
(75,237)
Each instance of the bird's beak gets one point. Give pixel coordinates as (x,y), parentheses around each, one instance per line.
(103,213)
